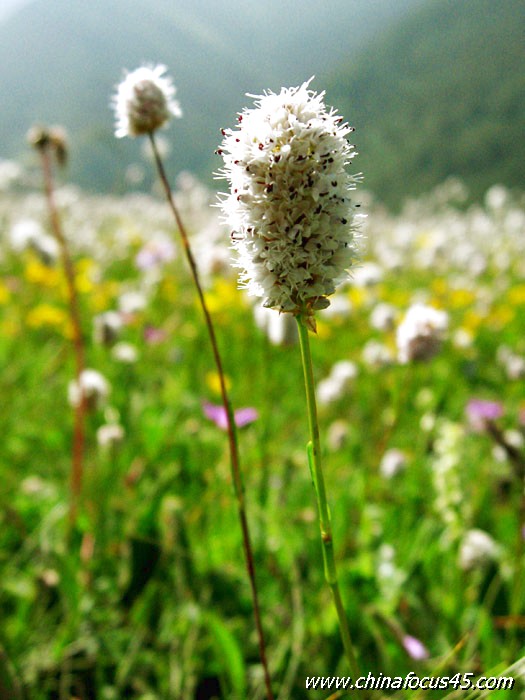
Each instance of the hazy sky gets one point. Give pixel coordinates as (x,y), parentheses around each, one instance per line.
(7,7)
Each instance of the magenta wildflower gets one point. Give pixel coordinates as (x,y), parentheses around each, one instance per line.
(217,414)
(415,648)
(479,412)
(153,335)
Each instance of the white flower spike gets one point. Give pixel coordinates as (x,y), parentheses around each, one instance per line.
(420,334)
(289,209)
(144,101)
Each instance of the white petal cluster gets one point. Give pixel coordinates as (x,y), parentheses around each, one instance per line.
(289,208)
(144,101)
(29,234)
(92,385)
(392,462)
(421,332)
(110,435)
(333,387)
(477,549)
(279,328)
(107,327)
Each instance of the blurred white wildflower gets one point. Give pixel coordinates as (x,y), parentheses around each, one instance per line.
(383,317)
(499,454)
(392,462)
(462,338)
(376,354)
(92,385)
(289,208)
(50,578)
(132,302)
(24,233)
(28,234)
(10,173)
(212,253)
(107,327)
(279,328)
(420,334)
(135,174)
(477,548)
(340,306)
(496,198)
(125,353)
(47,249)
(512,363)
(144,101)
(36,486)
(449,502)
(390,578)
(367,274)
(109,435)
(427,422)
(514,438)
(156,251)
(337,383)
(337,435)
(515,367)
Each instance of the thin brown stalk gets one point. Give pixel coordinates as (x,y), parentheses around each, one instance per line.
(77,467)
(231,427)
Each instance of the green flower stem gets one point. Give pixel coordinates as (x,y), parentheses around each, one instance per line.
(517,459)
(314,461)
(231,427)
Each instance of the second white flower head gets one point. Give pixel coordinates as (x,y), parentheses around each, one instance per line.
(289,206)
(144,101)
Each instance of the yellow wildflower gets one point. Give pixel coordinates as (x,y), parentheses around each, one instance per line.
(460,298)
(37,273)
(500,317)
(223,295)
(103,295)
(5,294)
(85,272)
(516,295)
(358,296)
(46,315)
(214,384)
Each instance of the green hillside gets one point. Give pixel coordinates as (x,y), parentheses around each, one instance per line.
(443,93)
(61,59)
(434,87)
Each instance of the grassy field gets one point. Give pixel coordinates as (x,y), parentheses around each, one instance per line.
(147,597)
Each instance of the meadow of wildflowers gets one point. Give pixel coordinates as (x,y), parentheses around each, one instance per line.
(145,589)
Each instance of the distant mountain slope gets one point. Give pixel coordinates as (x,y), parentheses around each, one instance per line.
(61,59)
(441,94)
